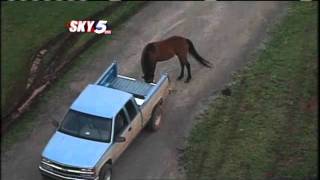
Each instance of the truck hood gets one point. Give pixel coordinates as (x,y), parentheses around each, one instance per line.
(74,151)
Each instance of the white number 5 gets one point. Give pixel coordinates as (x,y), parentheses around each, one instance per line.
(101,27)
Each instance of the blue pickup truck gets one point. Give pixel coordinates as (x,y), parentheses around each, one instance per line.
(100,124)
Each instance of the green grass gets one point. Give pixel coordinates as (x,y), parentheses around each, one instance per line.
(24,127)
(265,129)
(25,26)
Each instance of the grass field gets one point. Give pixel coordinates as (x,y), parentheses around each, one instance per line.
(25,26)
(22,128)
(268,127)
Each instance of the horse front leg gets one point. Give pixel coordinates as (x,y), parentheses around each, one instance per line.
(181,73)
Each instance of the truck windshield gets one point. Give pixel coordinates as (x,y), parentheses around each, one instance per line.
(86,126)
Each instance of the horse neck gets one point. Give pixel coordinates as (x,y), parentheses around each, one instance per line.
(148,63)
(151,66)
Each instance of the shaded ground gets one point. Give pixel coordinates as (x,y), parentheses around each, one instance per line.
(223,32)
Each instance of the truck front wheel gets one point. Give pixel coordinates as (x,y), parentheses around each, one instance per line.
(106,172)
(156,117)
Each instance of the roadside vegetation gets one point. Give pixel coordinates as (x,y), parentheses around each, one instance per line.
(25,26)
(42,33)
(268,127)
(23,127)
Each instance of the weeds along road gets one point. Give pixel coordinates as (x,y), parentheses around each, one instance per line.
(224,33)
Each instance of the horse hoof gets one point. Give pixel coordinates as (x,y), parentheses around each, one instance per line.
(179,78)
(187,81)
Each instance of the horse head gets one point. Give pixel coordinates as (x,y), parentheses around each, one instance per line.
(148,63)
(148,78)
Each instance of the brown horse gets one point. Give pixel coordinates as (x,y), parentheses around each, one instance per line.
(166,49)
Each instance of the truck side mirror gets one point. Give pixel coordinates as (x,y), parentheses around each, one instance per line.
(119,139)
(55,123)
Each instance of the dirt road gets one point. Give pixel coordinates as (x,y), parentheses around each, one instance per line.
(225,33)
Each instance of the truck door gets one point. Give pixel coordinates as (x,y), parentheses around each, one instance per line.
(135,121)
(121,129)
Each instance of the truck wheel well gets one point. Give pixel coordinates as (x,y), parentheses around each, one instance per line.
(160,101)
(109,162)
(106,164)
(158,104)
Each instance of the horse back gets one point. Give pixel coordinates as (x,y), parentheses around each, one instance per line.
(167,48)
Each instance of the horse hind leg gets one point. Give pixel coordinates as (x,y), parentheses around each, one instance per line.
(181,71)
(184,62)
(189,72)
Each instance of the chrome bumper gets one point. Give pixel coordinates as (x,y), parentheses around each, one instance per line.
(60,176)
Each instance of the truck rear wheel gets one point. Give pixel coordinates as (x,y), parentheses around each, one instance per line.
(156,117)
(106,172)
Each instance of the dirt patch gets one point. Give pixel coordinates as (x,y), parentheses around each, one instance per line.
(311,105)
(226,92)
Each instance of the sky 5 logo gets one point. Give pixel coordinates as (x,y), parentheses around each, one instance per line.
(98,27)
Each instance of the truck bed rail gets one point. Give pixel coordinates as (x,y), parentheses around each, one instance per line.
(139,89)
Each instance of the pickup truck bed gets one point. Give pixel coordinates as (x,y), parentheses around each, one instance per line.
(137,88)
(140,90)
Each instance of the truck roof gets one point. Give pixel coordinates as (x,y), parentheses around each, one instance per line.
(100,101)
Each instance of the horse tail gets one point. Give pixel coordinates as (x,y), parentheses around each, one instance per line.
(194,53)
